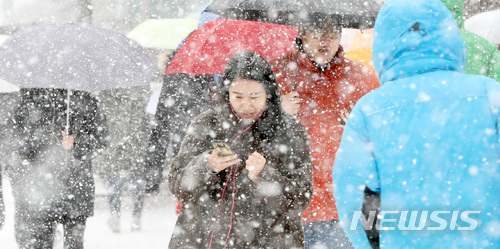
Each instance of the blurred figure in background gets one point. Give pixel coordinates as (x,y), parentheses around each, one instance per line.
(51,170)
(483,58)
(9,101)
(2,205)
(326,87)
(182,98)
(122,162)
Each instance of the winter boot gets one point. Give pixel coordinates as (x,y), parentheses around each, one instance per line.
(114,223)
(136,224)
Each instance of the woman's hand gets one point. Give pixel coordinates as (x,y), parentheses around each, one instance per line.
(291,102)
(254,164)
(67,141)
(218,163)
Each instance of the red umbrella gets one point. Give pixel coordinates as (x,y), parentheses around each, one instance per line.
(207,49)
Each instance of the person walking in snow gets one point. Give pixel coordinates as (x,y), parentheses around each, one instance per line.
(6,111)
(182,98)
(2,204)
(51,171)
(483,58)
(121,163)
(427,141)
(254,197)
(320,90)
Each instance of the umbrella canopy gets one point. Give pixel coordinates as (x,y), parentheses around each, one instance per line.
(352,13)
(207,49)
(6,87)
(486,24)
(3,38)
(163,33)
(73,56)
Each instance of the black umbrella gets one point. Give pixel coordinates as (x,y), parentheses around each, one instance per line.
(359,14)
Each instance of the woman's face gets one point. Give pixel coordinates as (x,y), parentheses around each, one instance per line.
(248,98)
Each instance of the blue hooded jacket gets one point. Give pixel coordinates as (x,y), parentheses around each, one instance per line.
(427,140)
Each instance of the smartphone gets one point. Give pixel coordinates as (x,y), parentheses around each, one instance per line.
(224,148)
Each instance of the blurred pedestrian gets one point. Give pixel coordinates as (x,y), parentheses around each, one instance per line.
(483,58)
(320,88)
(8,100)
(2,205)
(51,171)
(426,141)
(182,98)
(121,164)
(268,172)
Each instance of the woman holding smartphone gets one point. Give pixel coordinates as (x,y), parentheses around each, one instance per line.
(254,197)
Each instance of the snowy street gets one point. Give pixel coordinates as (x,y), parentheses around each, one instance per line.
(157,223)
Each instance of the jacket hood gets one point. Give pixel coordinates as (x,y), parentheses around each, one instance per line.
(415,37)
(457,9)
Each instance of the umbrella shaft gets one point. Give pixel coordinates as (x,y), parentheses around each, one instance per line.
(67,114)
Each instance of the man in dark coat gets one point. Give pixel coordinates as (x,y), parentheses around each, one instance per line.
(182,98)
(8,100)
(51,171)
(264,208)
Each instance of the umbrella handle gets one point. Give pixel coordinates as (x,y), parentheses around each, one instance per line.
(294,86)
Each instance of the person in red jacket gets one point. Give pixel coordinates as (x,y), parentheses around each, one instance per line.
(320,87)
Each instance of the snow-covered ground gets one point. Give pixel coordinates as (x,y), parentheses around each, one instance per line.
(157,223)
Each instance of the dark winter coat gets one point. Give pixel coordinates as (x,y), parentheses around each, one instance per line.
(128,134)
(182,98)
(259,215)
(265,214)
(8,100)
(48,181)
